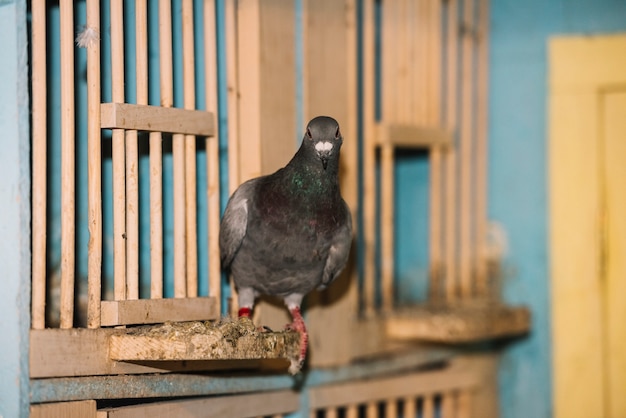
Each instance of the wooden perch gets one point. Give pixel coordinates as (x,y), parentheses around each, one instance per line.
(236,339)
(459,323)
(413,136)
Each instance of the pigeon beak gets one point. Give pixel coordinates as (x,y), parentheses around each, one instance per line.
(324,159)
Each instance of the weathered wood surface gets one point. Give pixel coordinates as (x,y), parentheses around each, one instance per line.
(458,323)
(203,341)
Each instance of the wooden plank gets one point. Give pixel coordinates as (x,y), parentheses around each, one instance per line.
(94,172)
(413,136)
(68,157)
(482,160)
(387,221)
(119,157)
(59,353)
(458,323)
(229,340)
(372,390)
(369,160)
(189,85)
(151,311)
(466,161)
(82,409)
(39,163)
(213,155)
(428,407)
(157,119)
(450,156)
(238,406)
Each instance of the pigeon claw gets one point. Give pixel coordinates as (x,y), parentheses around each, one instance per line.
(298,326)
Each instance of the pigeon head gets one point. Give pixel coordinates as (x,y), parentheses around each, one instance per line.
(323,139)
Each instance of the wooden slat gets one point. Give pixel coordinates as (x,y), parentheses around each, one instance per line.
(352,411)
(203,341)
(119,181)
(387,226)
(482,93)
(68,226)
(189,85)
(467,180)
(151,311)
(94,172)
(428,407)
(157,119)
(410,407)
(213,157)
(413,136)
(239,406)
(369,391)
(39,163)
(232,79)
(463,404)
(369,163)
(458,323)
(85,352)
(83,409)
(448,404)
(450,159)
(371,410)
(156,215)
(132,215)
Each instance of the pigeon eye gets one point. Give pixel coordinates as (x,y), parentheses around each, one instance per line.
(308,133)
(337,133)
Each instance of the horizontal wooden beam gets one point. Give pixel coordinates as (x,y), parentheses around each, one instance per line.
(228,340)
(152,311)
(414,384)
(157,119)
(237,406)
(463,323)
(86,409)
(412,136)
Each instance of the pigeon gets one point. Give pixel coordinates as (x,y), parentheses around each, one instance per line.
(290,232)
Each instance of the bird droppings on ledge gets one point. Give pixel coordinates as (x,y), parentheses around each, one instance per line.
(204,340)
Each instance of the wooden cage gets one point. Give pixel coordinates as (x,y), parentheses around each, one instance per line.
(140,134)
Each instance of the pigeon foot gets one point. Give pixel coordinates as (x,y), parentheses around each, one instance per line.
(298,326)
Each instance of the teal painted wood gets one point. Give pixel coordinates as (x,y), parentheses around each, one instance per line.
(173,385)
(15,209)
(518,197)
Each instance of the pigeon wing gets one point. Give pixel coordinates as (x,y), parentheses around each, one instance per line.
(339,250)
(235,221)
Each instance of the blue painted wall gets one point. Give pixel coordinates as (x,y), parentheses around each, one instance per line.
(15,210)
(518,173)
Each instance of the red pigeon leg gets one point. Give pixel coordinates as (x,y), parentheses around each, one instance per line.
(244,312)
(299,326)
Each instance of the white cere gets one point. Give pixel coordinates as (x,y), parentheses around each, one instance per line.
(324,146)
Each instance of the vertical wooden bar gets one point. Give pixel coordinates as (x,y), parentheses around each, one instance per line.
(450,154)
(94,171)
(331,412)
(387,225)
(39,150)
(391,408)
(482,89)
(428,407)
(132,155)
(68,226)
(371,410)
(402,66)
(189,85)
(352,411)
(212,146)
(448,405)
(464,404)
(410,408)
(119,184)
(466,166)
(389,103)
(433,48)
(369,156)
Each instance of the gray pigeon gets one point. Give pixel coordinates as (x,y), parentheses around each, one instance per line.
(290,232)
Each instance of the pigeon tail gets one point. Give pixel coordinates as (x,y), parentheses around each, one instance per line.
(298,326)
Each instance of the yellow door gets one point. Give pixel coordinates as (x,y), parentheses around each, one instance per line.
(587,197)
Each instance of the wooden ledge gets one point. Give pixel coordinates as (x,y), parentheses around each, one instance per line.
(457,324)
(154,311)
(157,119)
(226,340)
(413,136)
